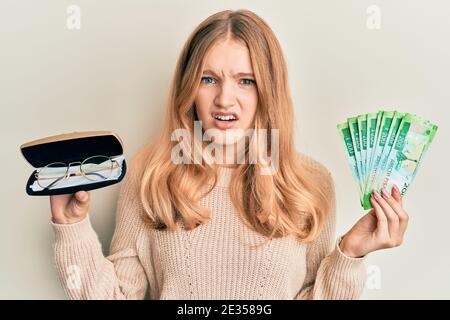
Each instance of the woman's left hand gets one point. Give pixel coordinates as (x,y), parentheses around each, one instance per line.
(382,227)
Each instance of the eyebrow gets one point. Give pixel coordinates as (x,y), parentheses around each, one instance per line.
(240,74)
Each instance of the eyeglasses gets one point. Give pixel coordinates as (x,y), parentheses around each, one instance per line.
(95,168)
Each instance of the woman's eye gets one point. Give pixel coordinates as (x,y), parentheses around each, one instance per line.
(208,80)
(248,81)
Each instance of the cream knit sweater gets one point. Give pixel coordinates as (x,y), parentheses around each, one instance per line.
(212,261)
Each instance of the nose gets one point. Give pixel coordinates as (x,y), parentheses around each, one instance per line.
(226,96)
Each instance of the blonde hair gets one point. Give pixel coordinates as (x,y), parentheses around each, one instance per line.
(291,201)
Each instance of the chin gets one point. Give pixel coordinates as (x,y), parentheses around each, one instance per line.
(228,137)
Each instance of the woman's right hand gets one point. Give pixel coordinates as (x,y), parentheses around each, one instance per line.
(70,208)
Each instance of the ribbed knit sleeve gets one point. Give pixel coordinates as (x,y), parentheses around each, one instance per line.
(330,274)
(83,270)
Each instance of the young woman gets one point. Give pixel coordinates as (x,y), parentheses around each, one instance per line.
(224,230)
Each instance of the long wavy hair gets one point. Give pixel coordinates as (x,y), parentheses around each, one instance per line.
(291,201)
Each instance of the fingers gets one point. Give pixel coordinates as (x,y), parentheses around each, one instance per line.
(82,196)
(397,204)
(396,194)
(396,216)
(81,202)
(393,220)
(382,230)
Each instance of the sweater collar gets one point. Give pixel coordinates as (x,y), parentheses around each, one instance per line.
(224,175)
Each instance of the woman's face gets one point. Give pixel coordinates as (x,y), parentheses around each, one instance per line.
(227,97)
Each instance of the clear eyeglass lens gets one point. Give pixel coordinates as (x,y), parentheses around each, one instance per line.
(51,174)
(97,168)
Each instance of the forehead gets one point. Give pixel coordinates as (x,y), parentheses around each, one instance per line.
(229,56)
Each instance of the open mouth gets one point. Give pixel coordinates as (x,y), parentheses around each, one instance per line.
(228,117)
(225,120)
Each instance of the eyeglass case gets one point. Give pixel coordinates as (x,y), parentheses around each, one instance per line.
(71,147)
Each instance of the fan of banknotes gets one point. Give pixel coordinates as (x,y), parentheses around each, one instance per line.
(385,149)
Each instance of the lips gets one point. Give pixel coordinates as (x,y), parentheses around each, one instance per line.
(224,120)
(225,116)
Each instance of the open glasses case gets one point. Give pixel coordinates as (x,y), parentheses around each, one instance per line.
(74,148)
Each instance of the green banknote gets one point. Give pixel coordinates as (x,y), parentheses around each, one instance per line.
(344,131)
(373,125)
(354,134)
(382,136)
(385,149)
(362,128)
(412,140)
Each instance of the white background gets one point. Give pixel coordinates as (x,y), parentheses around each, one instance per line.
(114,73)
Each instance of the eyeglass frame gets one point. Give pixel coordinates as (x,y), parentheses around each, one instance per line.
(68,175)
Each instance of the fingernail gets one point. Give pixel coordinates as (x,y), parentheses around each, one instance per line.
(376,195)
(396,189)
(385,194)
